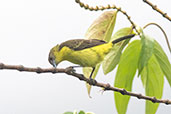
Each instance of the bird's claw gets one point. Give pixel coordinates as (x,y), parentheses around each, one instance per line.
(92,81)
(71,69)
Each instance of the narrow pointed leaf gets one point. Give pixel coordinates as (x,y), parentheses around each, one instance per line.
(102,29)
(163,61)
(87,72)
(125,73)
(144,76)
(112,59)
(146,51)
(153,79)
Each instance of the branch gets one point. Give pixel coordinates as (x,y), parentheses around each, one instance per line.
(70,71)
(158,10)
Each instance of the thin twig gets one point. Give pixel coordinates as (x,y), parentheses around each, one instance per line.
(70,71)
(165,35)
(97,8)
(157,9)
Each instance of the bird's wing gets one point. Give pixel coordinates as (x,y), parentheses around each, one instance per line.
(80,44)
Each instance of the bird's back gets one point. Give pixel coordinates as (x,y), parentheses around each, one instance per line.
(80,44)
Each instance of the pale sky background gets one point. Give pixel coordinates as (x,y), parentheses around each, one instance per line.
(30,28)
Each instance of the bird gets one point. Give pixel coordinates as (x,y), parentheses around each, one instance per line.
(84,52)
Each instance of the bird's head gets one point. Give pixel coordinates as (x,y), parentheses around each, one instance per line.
(54,56)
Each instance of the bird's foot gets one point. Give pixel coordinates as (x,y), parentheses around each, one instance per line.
(92,81)
(70,69)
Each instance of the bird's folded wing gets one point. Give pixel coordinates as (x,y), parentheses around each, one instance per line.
(80,44)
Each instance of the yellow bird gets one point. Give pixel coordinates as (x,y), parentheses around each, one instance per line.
(86,53)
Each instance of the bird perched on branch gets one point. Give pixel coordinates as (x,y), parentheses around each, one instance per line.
(86,53)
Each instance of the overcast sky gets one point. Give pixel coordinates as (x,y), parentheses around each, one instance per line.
(30,28)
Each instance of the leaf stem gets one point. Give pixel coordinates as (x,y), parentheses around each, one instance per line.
(165,35)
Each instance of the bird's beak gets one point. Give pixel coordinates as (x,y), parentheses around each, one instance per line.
(54,64)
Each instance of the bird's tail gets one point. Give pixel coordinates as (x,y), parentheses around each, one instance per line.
(123,38)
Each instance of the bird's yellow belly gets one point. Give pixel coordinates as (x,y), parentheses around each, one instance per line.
(89,57)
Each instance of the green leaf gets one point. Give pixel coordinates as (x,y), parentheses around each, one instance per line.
(112,59)
(102,29)
(163,61)
(153,79)
(125,73)
(144,76)
(146,51)
(68,113)
(81,112)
